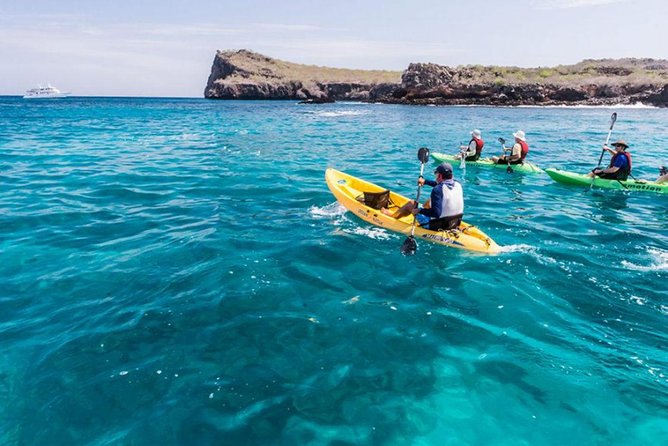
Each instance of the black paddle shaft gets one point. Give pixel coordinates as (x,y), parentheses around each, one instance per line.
(503,144)
(410,244)
(613,119)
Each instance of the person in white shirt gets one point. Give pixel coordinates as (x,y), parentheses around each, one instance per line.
(474,149)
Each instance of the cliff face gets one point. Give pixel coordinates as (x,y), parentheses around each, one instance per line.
(247,75)
(434,84)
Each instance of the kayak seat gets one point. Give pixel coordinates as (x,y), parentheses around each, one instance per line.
(512,163)
(376,200)
(445,223)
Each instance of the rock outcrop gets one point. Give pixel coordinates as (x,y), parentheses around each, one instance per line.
(247,75)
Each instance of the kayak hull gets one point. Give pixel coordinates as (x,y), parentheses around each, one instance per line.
(347,188)
(485,162)
(577,179)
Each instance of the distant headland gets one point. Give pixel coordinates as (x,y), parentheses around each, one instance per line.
(247,75)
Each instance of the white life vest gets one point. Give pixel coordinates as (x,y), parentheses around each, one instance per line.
(453,199)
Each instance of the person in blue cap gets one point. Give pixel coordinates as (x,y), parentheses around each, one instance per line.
(445,207)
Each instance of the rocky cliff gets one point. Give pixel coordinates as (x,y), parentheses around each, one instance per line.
(247,75)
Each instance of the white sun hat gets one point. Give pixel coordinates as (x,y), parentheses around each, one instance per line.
(520,135)
(476,133)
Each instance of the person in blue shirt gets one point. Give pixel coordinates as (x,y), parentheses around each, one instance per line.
(445,205)
(620,163)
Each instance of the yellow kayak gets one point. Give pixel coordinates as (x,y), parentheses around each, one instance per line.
(348,190)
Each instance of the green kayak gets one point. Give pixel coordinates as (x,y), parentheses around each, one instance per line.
(486,162)
(578,179)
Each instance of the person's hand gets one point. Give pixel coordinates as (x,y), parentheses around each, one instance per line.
(421,181)
(415,211)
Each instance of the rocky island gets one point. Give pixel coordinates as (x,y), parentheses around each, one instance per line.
(247,75)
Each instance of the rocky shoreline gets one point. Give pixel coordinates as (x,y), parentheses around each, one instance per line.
(251,76)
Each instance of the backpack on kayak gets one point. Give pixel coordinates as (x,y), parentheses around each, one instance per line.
(376,200)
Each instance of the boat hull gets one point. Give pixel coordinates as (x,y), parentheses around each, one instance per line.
(486,162)
(577,179)
(46,96)
(346,188)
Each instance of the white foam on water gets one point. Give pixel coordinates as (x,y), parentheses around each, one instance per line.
(637,105)
(518,248)
(373,232)
(329,211)
(659,261)
(333,114)
(638,300)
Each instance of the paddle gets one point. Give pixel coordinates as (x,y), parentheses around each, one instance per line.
(410,245)
(503,144)
(613,118)
(462,153)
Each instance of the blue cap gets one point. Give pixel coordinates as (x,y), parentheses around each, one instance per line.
(444,169)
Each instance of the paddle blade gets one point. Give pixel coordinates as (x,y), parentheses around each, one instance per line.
(423,155)
(509,169)
(613,118)
(409,247)
(502,141)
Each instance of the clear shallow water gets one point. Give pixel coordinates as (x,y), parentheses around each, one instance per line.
(177,272)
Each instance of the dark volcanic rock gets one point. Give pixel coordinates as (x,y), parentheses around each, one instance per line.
(316,101)
(247,75)
(425,76)
(568,95)
(660,98)
(231,78)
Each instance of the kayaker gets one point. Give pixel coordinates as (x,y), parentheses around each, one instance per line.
(474,149)
(517,153)
(445,207)
(663,175)
(620,163)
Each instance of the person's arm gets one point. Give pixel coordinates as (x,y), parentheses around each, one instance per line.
(436,201)
(612,169)
(619,163)
(608,149)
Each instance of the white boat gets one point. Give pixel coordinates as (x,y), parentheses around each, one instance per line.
(48,92)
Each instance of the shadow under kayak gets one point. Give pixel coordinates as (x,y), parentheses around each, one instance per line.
(526,167)
(578,179)
(347,189)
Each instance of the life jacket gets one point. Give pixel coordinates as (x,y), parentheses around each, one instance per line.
(479,144)
(624,173)
(525,150)
(453,199)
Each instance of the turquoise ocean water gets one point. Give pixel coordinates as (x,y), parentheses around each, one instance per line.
(176,272)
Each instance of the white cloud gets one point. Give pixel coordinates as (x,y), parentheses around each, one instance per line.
(130,58)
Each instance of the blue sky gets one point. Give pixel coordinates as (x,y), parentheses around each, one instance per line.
(165,48)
